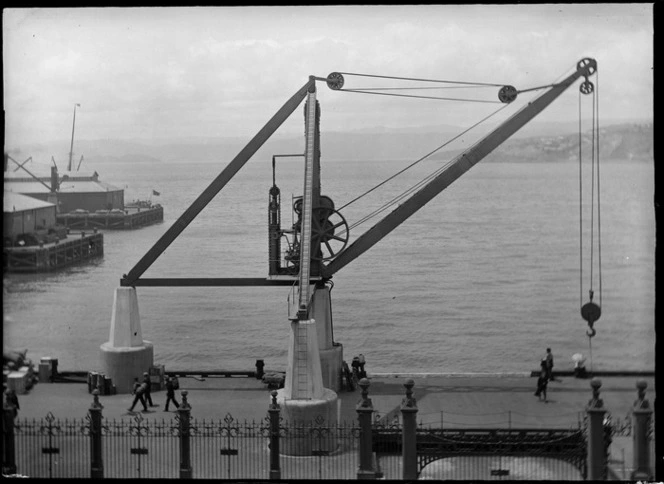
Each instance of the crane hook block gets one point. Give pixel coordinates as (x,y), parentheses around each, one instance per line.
(591,313)
(335,81)
(507,94)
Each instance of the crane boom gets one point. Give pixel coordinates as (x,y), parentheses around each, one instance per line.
(458,167)
(217,184)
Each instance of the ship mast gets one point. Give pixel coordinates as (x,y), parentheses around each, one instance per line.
(71,148)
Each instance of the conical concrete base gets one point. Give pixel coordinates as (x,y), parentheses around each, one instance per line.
(125,355)
(305,403)
(302,418)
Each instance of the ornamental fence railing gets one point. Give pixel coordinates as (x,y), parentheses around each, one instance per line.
(369,447)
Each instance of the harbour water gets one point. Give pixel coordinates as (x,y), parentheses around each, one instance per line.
(482,279)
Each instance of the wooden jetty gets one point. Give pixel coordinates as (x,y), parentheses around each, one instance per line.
(127,219)
(52,256)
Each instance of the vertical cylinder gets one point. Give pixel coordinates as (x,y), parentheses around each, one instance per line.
(274,231)
(184,412)
(642,415)
(364,411)
(595,410)
(96,454)
(274,411)
(409,437)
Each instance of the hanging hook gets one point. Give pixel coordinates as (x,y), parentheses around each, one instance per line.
(591,312)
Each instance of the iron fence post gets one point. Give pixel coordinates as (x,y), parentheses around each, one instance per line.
(274,411)
(642,415)
(597,458)
(409,436)
(96,459)
(364,409)
(184,416)
(8,442)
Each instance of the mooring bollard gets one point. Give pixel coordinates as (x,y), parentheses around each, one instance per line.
(274,411)
(597,459)
(184,418)
(8,443)
(642,415)
(364,409)
(96,454)
(409,436)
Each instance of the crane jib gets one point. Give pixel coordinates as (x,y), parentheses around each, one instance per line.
(307,200)
(460,165)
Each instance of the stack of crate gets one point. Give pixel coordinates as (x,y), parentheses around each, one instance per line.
(101,382)
(157,373)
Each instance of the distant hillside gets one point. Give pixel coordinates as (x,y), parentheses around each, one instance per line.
(618,142)
(633,141)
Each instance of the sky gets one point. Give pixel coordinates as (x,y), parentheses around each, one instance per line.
(176,72)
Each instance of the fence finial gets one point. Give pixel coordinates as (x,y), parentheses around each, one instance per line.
(641,402)
(96,404)
(185,404)
(410,400)
(366,401)
(596,401)
(274,405)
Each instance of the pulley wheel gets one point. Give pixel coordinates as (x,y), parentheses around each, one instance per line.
(586,87)
(329,230)
(507,94)
(335,81)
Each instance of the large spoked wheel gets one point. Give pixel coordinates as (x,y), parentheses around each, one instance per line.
(329,229)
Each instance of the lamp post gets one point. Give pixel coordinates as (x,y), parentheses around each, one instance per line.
(71,148)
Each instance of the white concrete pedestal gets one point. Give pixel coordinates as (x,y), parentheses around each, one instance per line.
(305,403)
(331,353)
(125,355)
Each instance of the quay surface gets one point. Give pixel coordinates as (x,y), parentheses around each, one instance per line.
(459,401)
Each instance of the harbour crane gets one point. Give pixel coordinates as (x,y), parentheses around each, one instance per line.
(317,243)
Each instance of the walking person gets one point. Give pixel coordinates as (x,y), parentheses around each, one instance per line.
(138,391)
(170,394)
(355,365)
(549,365)
(542,382)
(148,385)
(363,361)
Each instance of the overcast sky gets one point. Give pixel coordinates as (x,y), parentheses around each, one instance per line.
(224,71)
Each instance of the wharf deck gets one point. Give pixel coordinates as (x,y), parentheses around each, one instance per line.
(132,218)
(53,256)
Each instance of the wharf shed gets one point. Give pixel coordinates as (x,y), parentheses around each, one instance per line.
(22,214)
(76,191)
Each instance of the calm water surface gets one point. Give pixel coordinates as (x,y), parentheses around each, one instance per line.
(482,279)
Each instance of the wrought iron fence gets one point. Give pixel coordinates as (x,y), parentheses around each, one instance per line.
(52,448)
(139,447)
(219,449)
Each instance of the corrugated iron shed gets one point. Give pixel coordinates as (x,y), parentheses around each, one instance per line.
(15,202)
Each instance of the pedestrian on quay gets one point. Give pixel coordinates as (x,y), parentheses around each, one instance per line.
(138,391)
(170,394)
(12,399)
(542,381)
(355,364)
(363,361)
(549,365)
(148,385)
(348,377)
